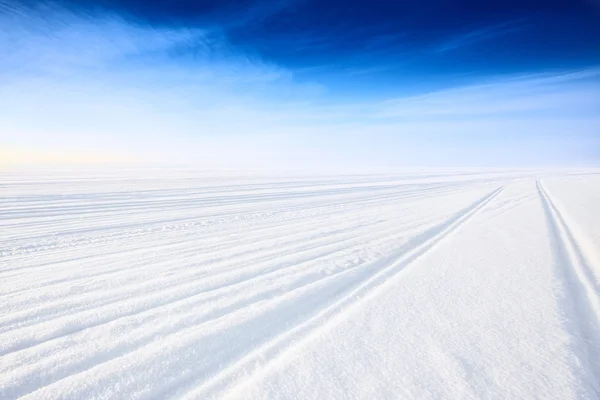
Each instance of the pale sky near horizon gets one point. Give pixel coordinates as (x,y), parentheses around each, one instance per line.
(298,83)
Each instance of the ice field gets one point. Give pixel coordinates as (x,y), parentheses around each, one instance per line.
(169,283)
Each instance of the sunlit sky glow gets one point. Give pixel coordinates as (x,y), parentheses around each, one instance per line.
(297,83)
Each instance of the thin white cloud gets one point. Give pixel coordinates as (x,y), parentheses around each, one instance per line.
(40,43)
(478,35)
(99,82)
(562,93)
(53,41)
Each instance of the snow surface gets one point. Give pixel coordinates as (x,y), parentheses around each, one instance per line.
(179,284)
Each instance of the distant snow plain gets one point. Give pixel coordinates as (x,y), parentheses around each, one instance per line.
(172,283)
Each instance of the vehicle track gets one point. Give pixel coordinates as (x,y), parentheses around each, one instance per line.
(582,304)
(347,283)
(326,317)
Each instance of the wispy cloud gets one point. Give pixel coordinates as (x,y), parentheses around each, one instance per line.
(50,39)
(478,35)
(557,94)
(97,81)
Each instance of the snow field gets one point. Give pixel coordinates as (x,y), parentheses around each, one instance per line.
(181,284)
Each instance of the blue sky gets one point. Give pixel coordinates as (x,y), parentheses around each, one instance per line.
(301,83)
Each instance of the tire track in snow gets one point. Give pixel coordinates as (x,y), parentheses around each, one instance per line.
(77,358)
(576,257)
(345,213)
(73,314)
(184,344)
(273,216)
(146,301)
(277,271)
(214,219)
(129,270)
(191,278)
(258,359)
(185,250)
(578,280)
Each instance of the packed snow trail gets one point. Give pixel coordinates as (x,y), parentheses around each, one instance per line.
(180,284)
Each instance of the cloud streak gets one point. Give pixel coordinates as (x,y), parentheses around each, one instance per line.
(561,94)
(77,82)
(478,35)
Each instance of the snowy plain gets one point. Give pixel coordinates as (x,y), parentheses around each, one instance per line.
(171,283)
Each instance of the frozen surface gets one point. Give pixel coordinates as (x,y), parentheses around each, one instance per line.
(181,284)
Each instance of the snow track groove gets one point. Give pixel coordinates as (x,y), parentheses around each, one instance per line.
(184,290)
(195,237)
(583,297)
(573,256)
(359,236)
(220,218)
(61,337)
(365,290)
(190,286)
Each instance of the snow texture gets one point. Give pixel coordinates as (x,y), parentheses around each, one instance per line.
(170,283)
